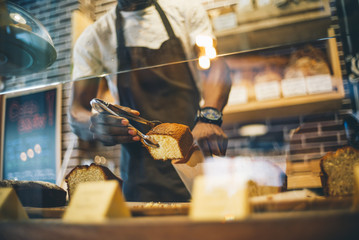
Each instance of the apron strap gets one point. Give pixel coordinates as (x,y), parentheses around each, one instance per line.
(123,55)
(165,21)
(123,62)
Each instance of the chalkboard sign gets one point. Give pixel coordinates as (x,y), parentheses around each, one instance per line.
(30,141)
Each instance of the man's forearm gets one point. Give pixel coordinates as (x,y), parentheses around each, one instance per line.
(217,85)
(79,120)
(79,113)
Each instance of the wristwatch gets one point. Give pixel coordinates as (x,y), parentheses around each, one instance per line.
(209,115)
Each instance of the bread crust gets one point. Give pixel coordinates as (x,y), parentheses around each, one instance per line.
(181,133)
(106,174)
(324,176)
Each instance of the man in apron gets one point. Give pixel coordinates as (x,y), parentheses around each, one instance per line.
(166,92)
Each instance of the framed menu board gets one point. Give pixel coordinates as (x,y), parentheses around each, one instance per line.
(30,148)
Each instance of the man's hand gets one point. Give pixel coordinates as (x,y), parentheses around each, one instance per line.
(210,138)
(112,130)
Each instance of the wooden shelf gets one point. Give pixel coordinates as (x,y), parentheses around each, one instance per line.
(271,26)
(274,22)
(284,107)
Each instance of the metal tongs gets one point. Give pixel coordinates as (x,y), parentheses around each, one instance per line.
(101,105)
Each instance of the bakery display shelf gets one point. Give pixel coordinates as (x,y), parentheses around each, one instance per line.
(288,107)
(274,22)
(296,105)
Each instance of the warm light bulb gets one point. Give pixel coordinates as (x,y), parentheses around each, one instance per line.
(204,62)
(252,130)
(211,52)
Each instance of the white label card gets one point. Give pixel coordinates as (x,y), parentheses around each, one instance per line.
(267,90)
(219,199)
(225,21)
(238,95)
(294,87)
(319,83)
(96,202)
(10,205)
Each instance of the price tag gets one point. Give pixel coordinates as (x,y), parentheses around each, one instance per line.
(10,205)
(267,90)
(225,21)
(292,87)
(221,193)
(219,198)
(96,202)
(319,83)
(238,95)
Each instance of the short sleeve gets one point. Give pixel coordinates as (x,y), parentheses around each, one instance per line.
(86,54)
(198,20)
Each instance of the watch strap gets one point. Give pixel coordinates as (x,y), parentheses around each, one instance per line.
(202,118)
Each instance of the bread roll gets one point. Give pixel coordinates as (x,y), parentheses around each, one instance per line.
(308,61)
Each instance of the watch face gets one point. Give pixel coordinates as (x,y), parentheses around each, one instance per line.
(211,114)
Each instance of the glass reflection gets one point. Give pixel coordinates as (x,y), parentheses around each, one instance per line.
(237,26)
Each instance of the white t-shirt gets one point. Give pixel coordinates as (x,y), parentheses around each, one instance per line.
(95,50)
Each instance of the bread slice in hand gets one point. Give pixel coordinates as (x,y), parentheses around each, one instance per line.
(175,142)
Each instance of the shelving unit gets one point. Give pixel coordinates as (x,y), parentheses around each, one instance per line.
(271,28)
(293,106)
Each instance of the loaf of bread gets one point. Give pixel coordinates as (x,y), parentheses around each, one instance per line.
(338,171)
(307,61)
(175,142)
(85,173)
(255,189)
(37,193)
(268,75)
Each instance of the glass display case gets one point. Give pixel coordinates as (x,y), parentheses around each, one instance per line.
(292,108)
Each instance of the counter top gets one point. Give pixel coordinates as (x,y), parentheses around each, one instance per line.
(332,224)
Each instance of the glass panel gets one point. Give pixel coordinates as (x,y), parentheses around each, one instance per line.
(236,26)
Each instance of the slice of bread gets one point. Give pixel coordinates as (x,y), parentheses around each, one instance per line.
(85,173)
(175,140)
(338,171)
(255,189)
